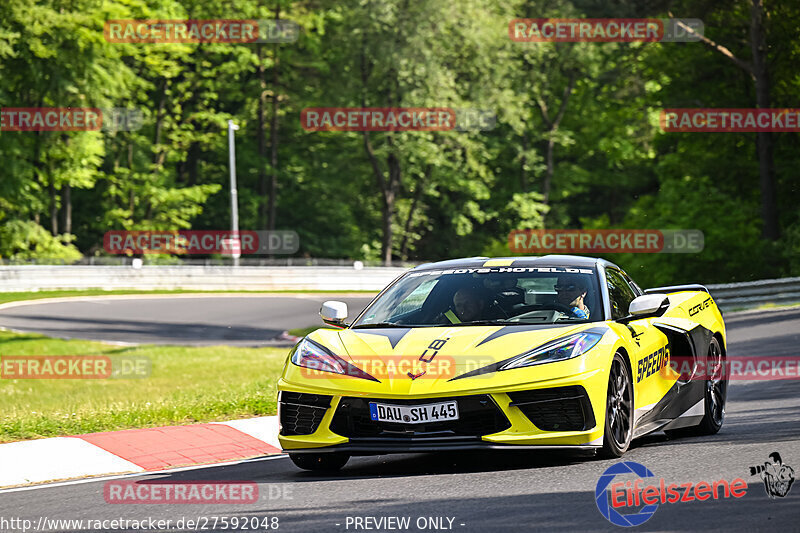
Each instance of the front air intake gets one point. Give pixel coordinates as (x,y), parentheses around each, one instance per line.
(556,409)
(302,413)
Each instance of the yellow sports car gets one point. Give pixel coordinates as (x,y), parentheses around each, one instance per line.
(513,353)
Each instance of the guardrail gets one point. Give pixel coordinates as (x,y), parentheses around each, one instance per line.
(754,293)
(208,278)
(313,278)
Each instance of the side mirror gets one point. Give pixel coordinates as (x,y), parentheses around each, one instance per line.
(648,305)
(333,313)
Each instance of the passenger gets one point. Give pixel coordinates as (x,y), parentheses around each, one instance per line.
(571,292)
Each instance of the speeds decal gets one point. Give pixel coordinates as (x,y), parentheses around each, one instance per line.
(653,363)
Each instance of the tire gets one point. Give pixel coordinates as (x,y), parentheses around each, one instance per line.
(716,389)
(320,462)
(618,430)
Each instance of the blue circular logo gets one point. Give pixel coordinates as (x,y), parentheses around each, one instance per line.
(601,494)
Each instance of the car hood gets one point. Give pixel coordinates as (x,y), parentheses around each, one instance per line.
(426,356)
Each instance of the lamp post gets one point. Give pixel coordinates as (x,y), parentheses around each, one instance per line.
(236,252)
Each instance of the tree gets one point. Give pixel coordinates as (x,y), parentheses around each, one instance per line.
(757,69)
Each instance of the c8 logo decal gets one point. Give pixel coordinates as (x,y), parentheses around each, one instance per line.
(435,346)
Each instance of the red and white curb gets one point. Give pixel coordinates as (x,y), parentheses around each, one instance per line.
(136,450)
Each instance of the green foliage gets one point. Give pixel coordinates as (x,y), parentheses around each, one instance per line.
(457,193)
(727,255)
(22,240)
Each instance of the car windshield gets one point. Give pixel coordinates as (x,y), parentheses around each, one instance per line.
(487,296)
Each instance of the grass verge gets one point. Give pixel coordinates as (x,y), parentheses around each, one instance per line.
(18,296)
(302,332)
(764,307)
(186,385)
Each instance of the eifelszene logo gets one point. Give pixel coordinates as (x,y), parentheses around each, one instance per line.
(606,504)
(633,494)
(777,477)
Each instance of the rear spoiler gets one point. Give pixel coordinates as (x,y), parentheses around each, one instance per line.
(676,288)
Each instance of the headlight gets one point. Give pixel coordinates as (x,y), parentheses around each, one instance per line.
(309,354)
(558,350)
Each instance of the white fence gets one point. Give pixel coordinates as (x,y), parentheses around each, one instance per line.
(272,278)
(209,278)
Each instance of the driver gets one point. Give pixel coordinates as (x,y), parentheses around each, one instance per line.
(468,305)
(571,292)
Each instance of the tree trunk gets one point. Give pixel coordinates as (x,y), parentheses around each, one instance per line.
(191,163)
(273,180)
(758,44)
(411,211)
(159,154)
(53,206)
(548,175)
(551,129)
(66,200)
(131,192)
(523,178)
(389,197)
(388,188)
(37,166)
(386,227)
(263,210)
(389,185)
(758,71)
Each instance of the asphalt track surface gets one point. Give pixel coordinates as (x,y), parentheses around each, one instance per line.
(241,320)
(508,491)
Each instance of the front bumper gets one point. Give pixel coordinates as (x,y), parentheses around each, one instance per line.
(558,413)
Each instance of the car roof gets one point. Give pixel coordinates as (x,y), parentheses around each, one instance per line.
(519,261)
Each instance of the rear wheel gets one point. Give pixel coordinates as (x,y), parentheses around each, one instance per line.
(716,388)
(320,462)
(619,410)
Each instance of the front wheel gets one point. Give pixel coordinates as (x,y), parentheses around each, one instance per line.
(320,462)
(716,388)
(618,432)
